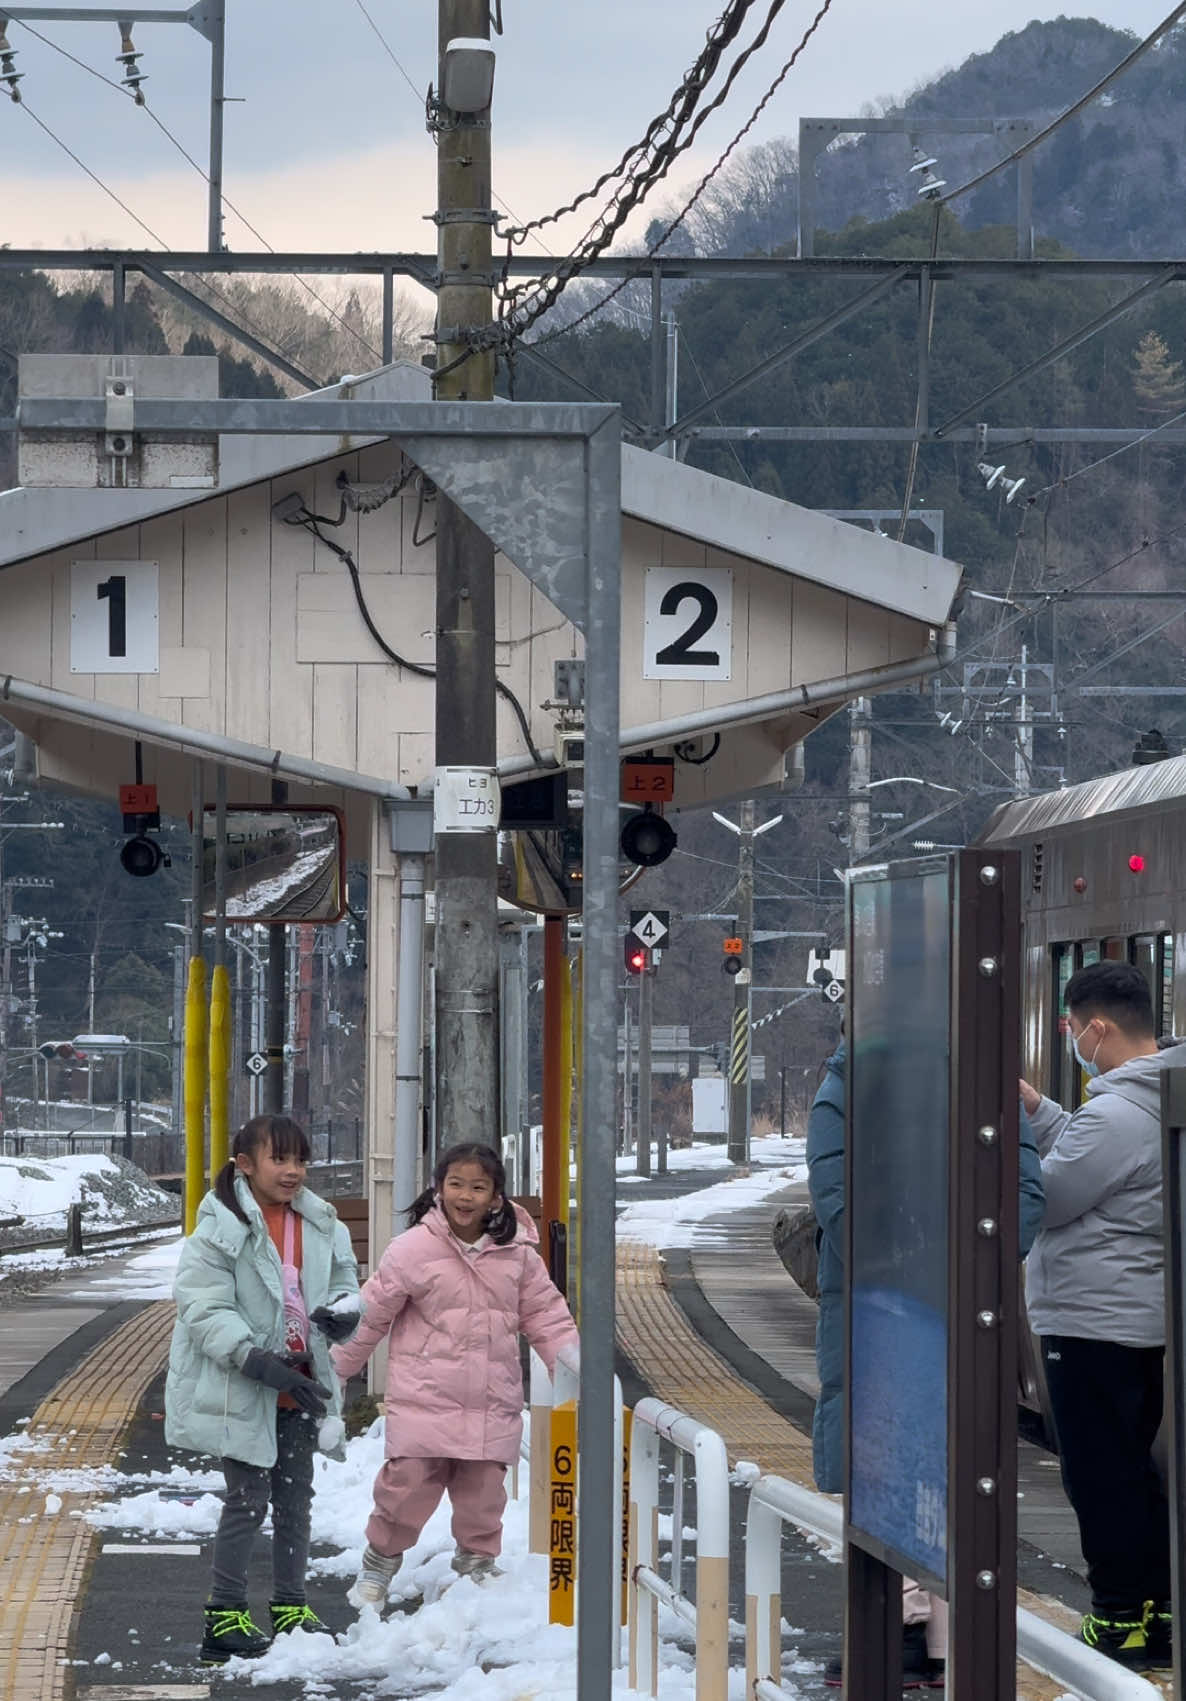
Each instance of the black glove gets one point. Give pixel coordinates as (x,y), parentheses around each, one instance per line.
(334,1325)
(284,1373)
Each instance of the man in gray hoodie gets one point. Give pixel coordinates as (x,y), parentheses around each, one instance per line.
(1094,1286)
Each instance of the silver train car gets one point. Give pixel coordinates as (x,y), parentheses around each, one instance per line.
(1103,876)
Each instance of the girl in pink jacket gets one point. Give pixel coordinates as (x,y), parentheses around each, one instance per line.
(452,1295)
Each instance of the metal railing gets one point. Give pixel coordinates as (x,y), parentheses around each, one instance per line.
(708,1614)
(773,1502)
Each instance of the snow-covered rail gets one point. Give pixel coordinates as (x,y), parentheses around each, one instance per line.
(708,1614)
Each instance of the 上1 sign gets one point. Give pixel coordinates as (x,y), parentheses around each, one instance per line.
(114,617)
(688,623)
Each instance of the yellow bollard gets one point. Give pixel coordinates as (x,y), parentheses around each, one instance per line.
(220,1047)
(195,1089)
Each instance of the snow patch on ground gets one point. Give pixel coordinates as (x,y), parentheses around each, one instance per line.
(111,1191)
(775,1163)
(464,1643)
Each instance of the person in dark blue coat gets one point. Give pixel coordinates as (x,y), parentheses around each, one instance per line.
(825,1180)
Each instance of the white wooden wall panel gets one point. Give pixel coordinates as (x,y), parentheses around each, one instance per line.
(335,714)
(182,672)
(204,607)
(290,686)
(248,611)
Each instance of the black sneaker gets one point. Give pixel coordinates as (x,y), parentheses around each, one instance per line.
(296,1615)
(230,1634)
(1120,1637)
(1159,1635)
(919,1670)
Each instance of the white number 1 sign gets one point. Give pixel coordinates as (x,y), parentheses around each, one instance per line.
(114,617)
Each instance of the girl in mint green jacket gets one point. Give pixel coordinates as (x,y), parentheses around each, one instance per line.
(265,1283)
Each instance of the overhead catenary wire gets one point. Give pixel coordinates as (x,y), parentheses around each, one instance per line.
(225,199)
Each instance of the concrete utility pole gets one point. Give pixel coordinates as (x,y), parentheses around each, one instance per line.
(277,1005)
(466,949)
(739,1049)
(860,758)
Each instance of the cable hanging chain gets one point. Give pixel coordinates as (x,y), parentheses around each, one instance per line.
(516,315)
(712,172)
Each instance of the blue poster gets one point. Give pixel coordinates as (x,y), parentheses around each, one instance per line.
(899,1087)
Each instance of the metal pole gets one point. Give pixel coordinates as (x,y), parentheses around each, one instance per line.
(388,316)
(642,1148)
(739,1059)
(645,1001)
(216,30)
(599,1520)
(671,413)
(627,1080)
(409,1024)
(554,1182)
(195,1021)
(118,304)
(659,417)
(860,756)
(178,1046)
(466,942)
(277,1011)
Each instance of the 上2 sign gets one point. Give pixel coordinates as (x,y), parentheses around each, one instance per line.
(688,623)
(114,617)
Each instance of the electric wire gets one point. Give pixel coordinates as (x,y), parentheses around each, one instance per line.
(1069,478)
(312,523)
(678,219)
(389,50)
(1071,111)
(719,36)
(226,201)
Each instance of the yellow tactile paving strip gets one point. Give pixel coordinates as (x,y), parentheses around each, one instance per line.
(44,1555)
(678,1367)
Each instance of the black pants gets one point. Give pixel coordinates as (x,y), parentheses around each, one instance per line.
(1106,1401)
(249,1488)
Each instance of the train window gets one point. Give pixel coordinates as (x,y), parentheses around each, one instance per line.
(1063,1068)
(1165,1002)
(1115,951)
(1089,952)
(1146,956)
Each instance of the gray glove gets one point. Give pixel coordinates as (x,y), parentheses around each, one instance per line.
(335,1325)
(284,1373)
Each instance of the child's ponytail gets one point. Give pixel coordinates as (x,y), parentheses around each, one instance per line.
(421,1206)
(501,1224)
(224,1190)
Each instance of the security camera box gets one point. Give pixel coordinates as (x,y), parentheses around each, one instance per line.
(118,456)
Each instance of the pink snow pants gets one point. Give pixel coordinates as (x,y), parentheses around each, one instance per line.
(408,1491)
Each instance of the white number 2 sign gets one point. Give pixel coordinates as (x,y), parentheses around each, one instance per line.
(688,623)
(114,624)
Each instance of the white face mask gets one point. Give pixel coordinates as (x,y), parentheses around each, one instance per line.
(1089,1067)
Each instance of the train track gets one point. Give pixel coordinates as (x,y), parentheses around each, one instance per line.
(132,1233)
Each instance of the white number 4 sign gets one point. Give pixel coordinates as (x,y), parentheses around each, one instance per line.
(688,623)
(114,617)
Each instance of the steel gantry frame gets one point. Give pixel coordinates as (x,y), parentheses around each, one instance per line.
(876,278)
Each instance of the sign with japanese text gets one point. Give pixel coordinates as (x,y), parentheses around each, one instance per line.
(562,1516)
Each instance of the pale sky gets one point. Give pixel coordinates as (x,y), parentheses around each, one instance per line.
(325,144)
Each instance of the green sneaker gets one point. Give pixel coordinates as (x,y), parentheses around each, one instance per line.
(295,1615)
(1121,1639)
(230,1634)
(1159,1635)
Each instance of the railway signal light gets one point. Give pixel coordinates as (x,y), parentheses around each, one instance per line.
(1136,864)
(647,839)
(733,949)
(638,956)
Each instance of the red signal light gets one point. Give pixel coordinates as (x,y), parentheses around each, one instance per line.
(1137,864)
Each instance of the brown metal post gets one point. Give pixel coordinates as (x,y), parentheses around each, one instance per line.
(982,1283)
